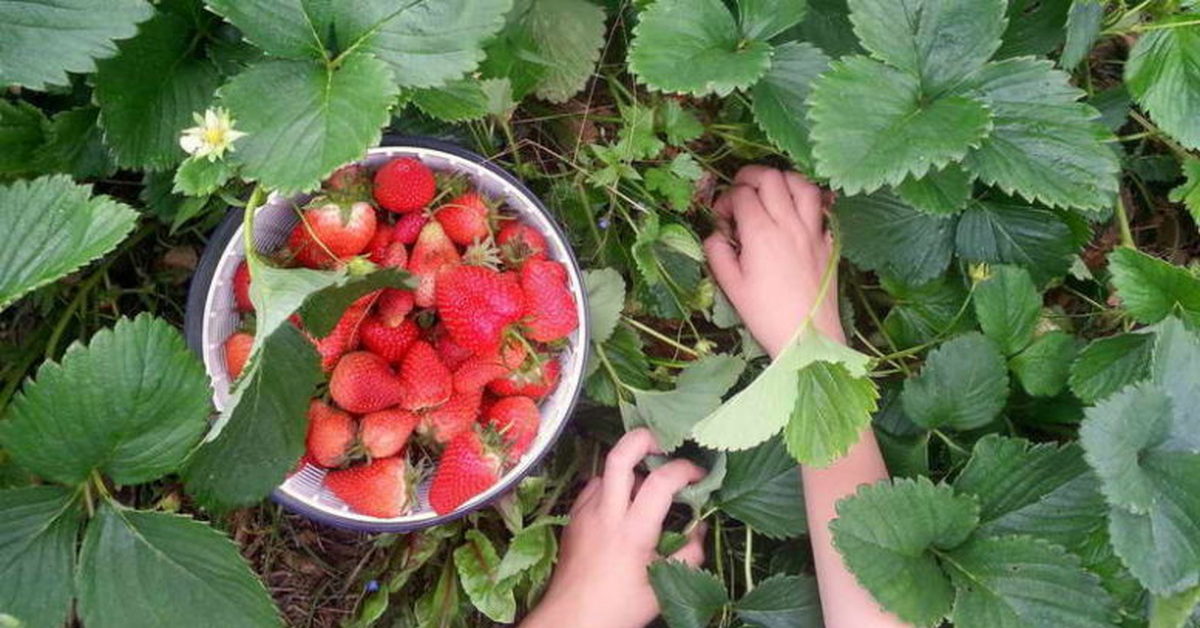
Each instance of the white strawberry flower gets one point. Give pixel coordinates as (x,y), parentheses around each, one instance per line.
(213,135)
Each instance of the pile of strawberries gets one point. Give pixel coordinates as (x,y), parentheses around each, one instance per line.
(448,375)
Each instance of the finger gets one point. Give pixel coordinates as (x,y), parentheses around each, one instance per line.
(619,468)
(587,495)
(809,203)
(774,194)
(723,260)
(652,502)
(722,211)
(751,217)
(692,553)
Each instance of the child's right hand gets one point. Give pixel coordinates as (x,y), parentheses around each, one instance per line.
(768,253)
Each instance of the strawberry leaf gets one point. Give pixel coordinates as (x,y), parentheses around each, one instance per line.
(943,192)
(1005,231)
(1008,306)
(1163,74)
(833,407)
(1110,364)
(963,385)
(1188,192)
(75,146)
(23,128)
(926,312)
(624,364)
(478,567)
(282,28)
(764,19)
(569,35)
(458,100)
(46,39)
(782,601)
(779,98)
(38,530)
(670,415)
(1151,289)
(200,176)
(606,299)
(688,597)
(1083,29)
(198,576)
(762,489)
(1044,366)
(883,233)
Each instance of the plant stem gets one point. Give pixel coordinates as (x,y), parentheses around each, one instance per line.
(950,443)
(747,562)
(650,331)
(1123,223)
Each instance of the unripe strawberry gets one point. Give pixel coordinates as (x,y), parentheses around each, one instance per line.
(432,253)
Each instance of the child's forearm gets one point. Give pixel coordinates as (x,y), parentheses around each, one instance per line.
(845,603)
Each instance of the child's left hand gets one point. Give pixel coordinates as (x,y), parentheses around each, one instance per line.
(601,579)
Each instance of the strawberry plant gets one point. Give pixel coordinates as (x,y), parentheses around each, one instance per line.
(1017,191)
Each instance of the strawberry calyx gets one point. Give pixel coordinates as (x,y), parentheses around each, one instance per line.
(482,253)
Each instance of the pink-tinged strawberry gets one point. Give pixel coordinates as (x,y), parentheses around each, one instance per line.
(475,373)
(534,383)
(519,242)
(425,382)
(408,227)
(349,184)
(464,218)
(404,184)
(432,253)
(363,382)
(379,243)
(450,419)
(468,467)
(329,234)
(394,305)
(549,306)
(388,341)
(330,434)
(237,353)
(516,419)
(476,305)
(381,488)
(452,354)
(241,288)
(385,433)
(394,256)
(345,336)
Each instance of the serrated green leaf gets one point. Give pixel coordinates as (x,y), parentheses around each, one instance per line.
(779,98)
(46,39)
(762,489)
(695,47)
(513,55)
(963,385)
(52,228)
(764,19)
(425,43)
(131,404)
(458,100)
(938,41)
(1045,146)
(1035,27)
(23,129)
(1044,366)
(1163,74)
(149,92)
(1109,364)
(832,409)
(75,146)
(282,28)
(1151,289)
(623,353)
(764,407)
(827,25)
(887,534)
(478,570)
(1006,231)
(927,312)
(198,577)
(528,547)
(570,36)
(1188,192)
(328,298)
(688,597)
(1014,582)
(945,191)
(330,117)
(670,415)
(1083,29)
(638,139)
(606,299)
(782,601)
(1176,361)
(1174,611)
(668,259)
(680,125)
(677,190)
(872,126)
(881,232)
(200,176)
(1007,306)
(1113,104)
(38,530)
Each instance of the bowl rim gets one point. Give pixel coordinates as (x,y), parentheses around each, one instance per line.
(198,293)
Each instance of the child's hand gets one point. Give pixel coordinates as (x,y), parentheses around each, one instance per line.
(769,252)
(601,579)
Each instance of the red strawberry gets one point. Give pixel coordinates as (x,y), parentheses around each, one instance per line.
(237,353)
(519,242)
(549,306)
(450,419)
(241,288)
(475,373)
(467,468)
(476,304)
(363,382)
(345,335)
(378,489)
(393,305)
(387,341)
(379,243)
(464,218)
(393,256)
(432,252)
(535,384)
(385,433)
(425,382)
(404,185)
(409,226)
(451,353)
(330,434)
(329,234)
(516,419)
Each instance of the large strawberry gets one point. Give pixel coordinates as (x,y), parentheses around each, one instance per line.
(432,252)
(330,434)
(468,467)
(450,419)
(476,305)
(477,371)
(329,234)
(549,306)
(464,218)
(519,242)
(241,288)
(388,341)
(404,184)
(345,335)
(408,227)
(516,419)
(535,382)
(237,353)
(378,489)
(425,382)
(385,433)
(363,382)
